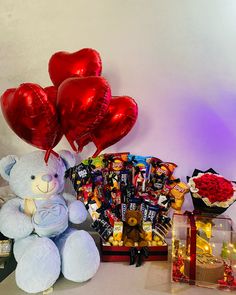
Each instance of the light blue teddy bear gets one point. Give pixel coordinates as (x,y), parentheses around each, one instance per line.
(38,222)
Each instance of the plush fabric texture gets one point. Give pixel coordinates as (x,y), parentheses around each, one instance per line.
(5,195)
(51,217)
(39,266)
(79,255)
(34,168)
(13,223)
(38,220)
(22,245)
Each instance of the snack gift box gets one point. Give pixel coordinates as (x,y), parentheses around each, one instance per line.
(7,260)
(204,251)
(129,197)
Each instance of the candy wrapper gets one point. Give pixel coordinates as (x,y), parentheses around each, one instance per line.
(211,192)
(94,164)
(81,178)
(140,169)
(116,162)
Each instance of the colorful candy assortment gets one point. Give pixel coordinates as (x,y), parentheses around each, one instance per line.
(111,184)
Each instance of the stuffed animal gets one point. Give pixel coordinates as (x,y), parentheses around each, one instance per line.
(133,231)
(38,220)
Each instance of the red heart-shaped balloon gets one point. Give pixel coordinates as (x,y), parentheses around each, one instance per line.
(51,92)
(82,104)
(120,118)
(32,115)
(83,63)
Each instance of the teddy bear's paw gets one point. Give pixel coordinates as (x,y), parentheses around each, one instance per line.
(39,267)
(13,223)
(80,257)
(22,245)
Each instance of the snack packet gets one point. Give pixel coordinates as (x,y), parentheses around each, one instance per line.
(116,161)
(85,193)
(95,163)
(92,209)
(147,227)
(117,231)
(79,176)
(178,191)
(140,171)
(104,229)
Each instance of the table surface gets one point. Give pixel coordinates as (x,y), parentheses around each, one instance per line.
(120,278)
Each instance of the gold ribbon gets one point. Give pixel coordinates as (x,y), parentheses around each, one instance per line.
(206,227)
(30,206)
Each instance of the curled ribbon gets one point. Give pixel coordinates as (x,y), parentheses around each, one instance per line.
(109,159)
(168,201)
(137,255)
(193,242)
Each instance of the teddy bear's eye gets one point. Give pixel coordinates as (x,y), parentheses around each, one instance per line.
(32,177)
(56,175)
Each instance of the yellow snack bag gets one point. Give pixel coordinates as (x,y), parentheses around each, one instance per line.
(117,231)
(178,191)
(147,227)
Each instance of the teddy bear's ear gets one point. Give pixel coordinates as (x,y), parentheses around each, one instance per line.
(68,158)
(6,165)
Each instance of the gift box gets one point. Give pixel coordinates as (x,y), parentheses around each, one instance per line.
(133,255)
(204,251)
(7,260)
(129,198)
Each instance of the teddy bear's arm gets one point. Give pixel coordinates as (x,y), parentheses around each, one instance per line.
(77,210)
(13,223)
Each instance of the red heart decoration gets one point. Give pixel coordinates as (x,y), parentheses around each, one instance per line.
(51,92)
(82,104)
(32,115)
(120,118)
(83,63)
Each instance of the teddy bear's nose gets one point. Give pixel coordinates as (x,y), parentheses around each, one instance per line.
(46,177)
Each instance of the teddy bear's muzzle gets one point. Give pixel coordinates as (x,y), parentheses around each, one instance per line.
(46,177)
(132,221)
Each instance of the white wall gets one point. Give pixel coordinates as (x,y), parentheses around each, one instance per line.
(177,58)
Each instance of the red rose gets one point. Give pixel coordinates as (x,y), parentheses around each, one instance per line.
(213,187)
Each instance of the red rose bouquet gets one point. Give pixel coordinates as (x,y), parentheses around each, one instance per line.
(211,192)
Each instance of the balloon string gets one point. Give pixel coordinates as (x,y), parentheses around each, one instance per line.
(80,149)
(72,144)
(83,141)
(55,153)
(48,153)
(98,151)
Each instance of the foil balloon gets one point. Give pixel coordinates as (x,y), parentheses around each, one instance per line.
(82,104)
(120,118)
(51,92)
(83,63)
(32,115)
(83,141)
